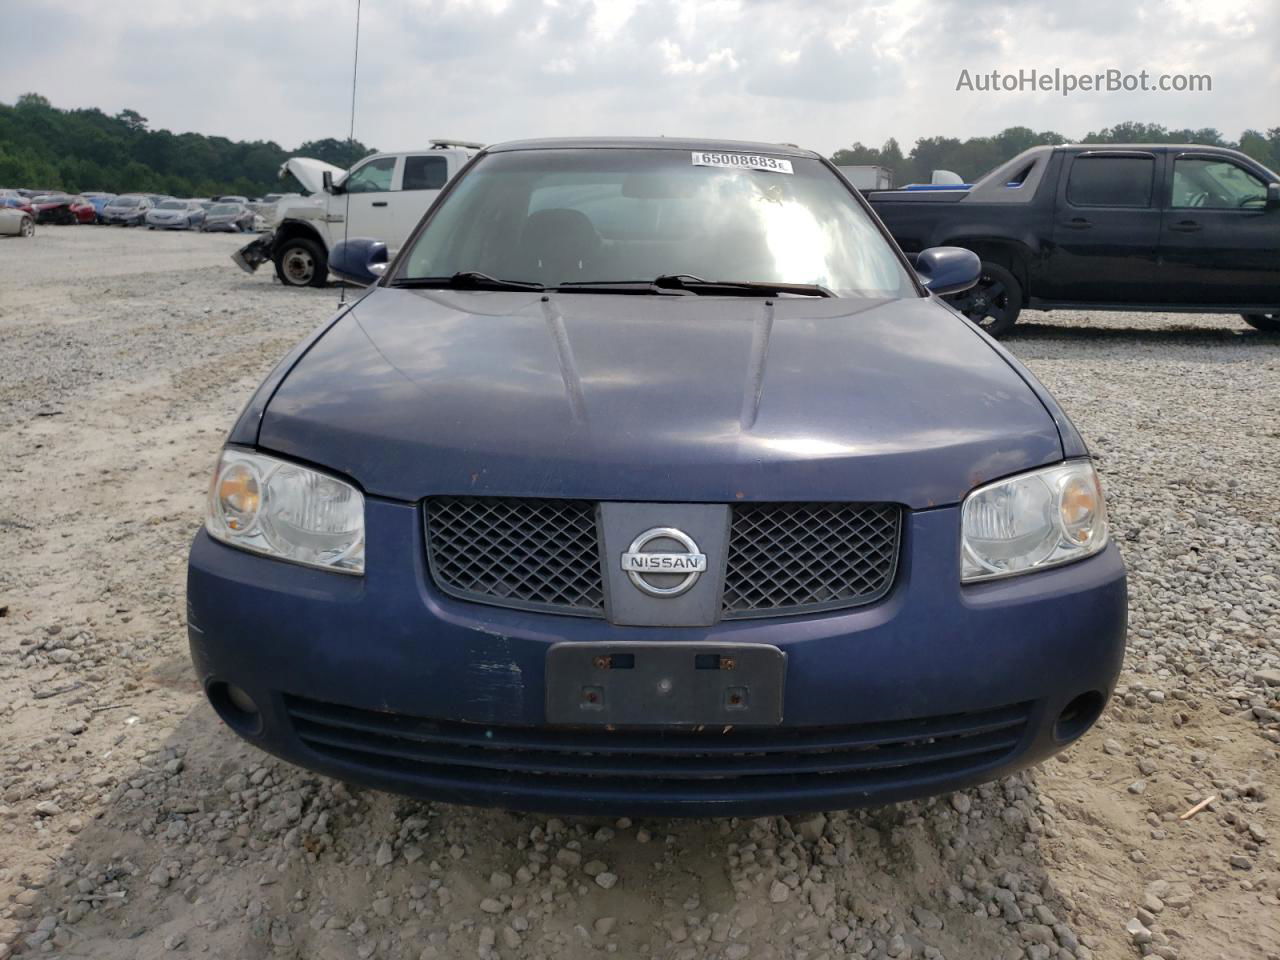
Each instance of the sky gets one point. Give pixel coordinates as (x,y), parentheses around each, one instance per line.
(818,73)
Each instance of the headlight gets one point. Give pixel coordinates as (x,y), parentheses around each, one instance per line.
(288,511)
(1032,521)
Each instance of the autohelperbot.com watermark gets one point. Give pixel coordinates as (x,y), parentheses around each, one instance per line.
(1066,82)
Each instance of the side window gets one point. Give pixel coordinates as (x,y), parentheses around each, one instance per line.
(373,177)
(1102,181)
(425,173)
(1215,185)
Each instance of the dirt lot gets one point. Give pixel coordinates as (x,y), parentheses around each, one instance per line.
(132,824)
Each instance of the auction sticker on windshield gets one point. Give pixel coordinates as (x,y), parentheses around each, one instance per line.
(741,161)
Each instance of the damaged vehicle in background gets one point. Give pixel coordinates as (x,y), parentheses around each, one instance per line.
(228,218)
(383,197)
(652,478)
(64,209)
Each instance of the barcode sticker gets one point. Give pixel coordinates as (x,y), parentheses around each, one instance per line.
(741,161)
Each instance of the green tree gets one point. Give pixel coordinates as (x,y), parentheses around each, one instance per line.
(132,119)
(341,153)
(44,147)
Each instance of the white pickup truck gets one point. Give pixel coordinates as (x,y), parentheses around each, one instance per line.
(382,197)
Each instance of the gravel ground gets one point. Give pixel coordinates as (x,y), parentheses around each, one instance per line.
(133,825)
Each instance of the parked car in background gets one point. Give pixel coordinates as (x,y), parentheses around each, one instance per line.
(1143,227)
(64,209)
(127,210)
(17,201)
(228,218)
(175,215)
(232,199)
(383,196)
(653,479)
(99,201)
(16,222)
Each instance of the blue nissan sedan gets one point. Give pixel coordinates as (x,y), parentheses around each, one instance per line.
(650,477)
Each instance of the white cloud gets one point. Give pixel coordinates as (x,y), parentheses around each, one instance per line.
(822,73)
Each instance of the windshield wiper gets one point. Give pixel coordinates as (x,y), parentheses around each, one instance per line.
(467,280)
(639,287)
(684,283)
(757,288)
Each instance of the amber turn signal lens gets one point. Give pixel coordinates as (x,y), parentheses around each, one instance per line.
(239,495)
(281,509)
(1078,505)
(1032,521)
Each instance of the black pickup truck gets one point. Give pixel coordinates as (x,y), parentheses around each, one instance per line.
(1116,227)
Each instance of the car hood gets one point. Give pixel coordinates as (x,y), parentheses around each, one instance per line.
(310,173)
(657,398)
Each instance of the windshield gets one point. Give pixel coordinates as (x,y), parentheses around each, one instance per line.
(224,208)
(125,202)
(594,215)
(172,205)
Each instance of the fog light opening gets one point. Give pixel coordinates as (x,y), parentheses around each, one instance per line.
(1078,716)
(236,708)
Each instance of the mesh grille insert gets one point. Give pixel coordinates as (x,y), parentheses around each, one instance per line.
(517,551)
(784,556)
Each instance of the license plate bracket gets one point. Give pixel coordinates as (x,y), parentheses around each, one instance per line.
(665,684)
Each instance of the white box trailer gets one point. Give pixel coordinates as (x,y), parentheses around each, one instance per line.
(867,176)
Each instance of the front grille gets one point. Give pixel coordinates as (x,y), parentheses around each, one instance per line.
(519,552)
(686,763)
(783,558)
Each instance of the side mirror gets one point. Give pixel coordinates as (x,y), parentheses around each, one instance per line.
(359,260)
(326,181)
(945,270)
(1273,196)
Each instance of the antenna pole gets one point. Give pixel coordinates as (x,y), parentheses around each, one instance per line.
(351,141)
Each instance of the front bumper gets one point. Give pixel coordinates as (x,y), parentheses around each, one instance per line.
(385,681)
(254,253)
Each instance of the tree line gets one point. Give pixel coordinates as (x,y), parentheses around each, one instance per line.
(43,147)
(973,157)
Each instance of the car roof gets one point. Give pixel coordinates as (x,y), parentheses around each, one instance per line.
(654,143)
